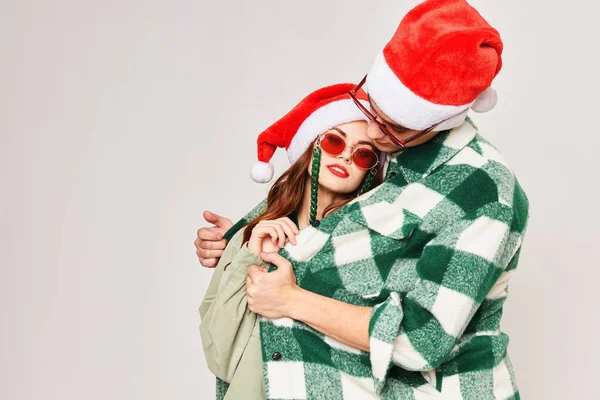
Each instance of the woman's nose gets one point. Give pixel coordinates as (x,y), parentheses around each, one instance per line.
(346,155)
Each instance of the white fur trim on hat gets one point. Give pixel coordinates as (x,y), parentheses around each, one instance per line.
(262,172)
(402,105)
(485,101)
(330,115)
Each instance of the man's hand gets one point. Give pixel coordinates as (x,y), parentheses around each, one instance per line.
(209,242)
(270,294)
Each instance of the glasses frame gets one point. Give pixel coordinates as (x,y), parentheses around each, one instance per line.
(382,126)
(353,148)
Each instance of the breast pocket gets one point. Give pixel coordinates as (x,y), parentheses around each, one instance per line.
(363,248)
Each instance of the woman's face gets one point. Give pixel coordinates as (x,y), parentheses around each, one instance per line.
(339,174)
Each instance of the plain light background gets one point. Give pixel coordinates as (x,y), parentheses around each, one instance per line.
(122,120)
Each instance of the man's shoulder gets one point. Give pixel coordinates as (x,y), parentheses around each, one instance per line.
(479,155)
(488,152)
(479,170)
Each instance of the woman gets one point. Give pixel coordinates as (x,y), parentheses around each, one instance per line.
(333,161)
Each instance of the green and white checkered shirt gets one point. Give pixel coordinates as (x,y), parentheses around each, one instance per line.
(431,250)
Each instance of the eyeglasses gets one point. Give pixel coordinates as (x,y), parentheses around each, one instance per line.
(382,126)
(334,144)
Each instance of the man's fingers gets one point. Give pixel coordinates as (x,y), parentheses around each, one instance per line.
(276,259)
(253,270)
(218,220)
(203,253)
(254,273)
(209,262)
(210,245)
(213,234)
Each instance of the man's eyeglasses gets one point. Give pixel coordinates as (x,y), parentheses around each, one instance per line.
(382,126)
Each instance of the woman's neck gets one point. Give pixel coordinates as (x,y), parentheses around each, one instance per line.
(324,199)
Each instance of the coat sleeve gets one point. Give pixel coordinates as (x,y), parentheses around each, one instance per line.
(456,271)
(227,323)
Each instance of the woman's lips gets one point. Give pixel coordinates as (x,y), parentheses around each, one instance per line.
(338,170)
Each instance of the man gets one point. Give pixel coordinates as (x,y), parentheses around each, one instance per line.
(436,242)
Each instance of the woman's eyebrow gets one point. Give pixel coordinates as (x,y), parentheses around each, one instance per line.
(344,134)
(365,142)
(340,131)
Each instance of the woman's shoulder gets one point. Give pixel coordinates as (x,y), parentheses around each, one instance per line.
(238,236)
(234,244)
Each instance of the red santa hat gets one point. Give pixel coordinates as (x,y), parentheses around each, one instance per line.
(318,112)
(439,64)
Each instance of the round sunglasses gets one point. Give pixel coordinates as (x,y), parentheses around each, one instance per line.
(334,144)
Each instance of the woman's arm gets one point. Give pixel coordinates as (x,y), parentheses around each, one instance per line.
(227,323)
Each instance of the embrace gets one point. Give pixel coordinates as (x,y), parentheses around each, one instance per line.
(378,265)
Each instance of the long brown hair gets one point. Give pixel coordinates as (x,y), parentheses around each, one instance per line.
(286,194)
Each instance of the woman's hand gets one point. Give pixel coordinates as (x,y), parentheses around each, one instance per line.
(271,235)
(271,294)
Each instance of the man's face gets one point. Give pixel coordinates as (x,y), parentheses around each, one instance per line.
(380,139)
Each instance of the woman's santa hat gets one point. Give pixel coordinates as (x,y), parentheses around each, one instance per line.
(317,113)
(440,63)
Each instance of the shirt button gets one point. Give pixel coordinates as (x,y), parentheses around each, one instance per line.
(316,223)
(392,174)
(276,356)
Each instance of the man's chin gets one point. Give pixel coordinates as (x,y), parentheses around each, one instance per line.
(387,147)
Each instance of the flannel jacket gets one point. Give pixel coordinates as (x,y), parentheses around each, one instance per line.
(431,250)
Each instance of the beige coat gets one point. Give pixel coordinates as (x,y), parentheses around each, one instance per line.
(229,330)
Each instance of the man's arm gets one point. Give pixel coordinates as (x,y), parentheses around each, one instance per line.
(346,323)
(276,295)
(457,269)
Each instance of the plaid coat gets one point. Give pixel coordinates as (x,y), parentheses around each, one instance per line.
(431,250)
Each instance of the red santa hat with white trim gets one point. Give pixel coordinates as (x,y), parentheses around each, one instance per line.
(317,113)
(439,64)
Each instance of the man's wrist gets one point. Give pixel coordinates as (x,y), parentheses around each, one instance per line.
(296,303)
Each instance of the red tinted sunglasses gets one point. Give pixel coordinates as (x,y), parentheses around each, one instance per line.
(334,144)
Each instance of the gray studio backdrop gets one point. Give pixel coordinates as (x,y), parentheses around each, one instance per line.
(122,120)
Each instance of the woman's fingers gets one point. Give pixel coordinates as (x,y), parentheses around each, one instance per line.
(291,224)
(265,229)
(285,231)
(281,234)
(290,228)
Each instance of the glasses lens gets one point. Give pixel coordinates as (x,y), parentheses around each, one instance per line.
(333,144)
(365,158)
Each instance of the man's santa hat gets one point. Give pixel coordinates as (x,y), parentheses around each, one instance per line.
(317,113)
(439,64)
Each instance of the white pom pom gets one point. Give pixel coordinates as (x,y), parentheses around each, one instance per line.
(486,101)
(262,172)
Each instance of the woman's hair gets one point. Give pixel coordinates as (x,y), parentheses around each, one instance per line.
(286,194)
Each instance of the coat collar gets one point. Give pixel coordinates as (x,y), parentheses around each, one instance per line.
(379,210)
(416,163)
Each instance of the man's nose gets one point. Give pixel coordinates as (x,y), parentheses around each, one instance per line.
(374,132)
